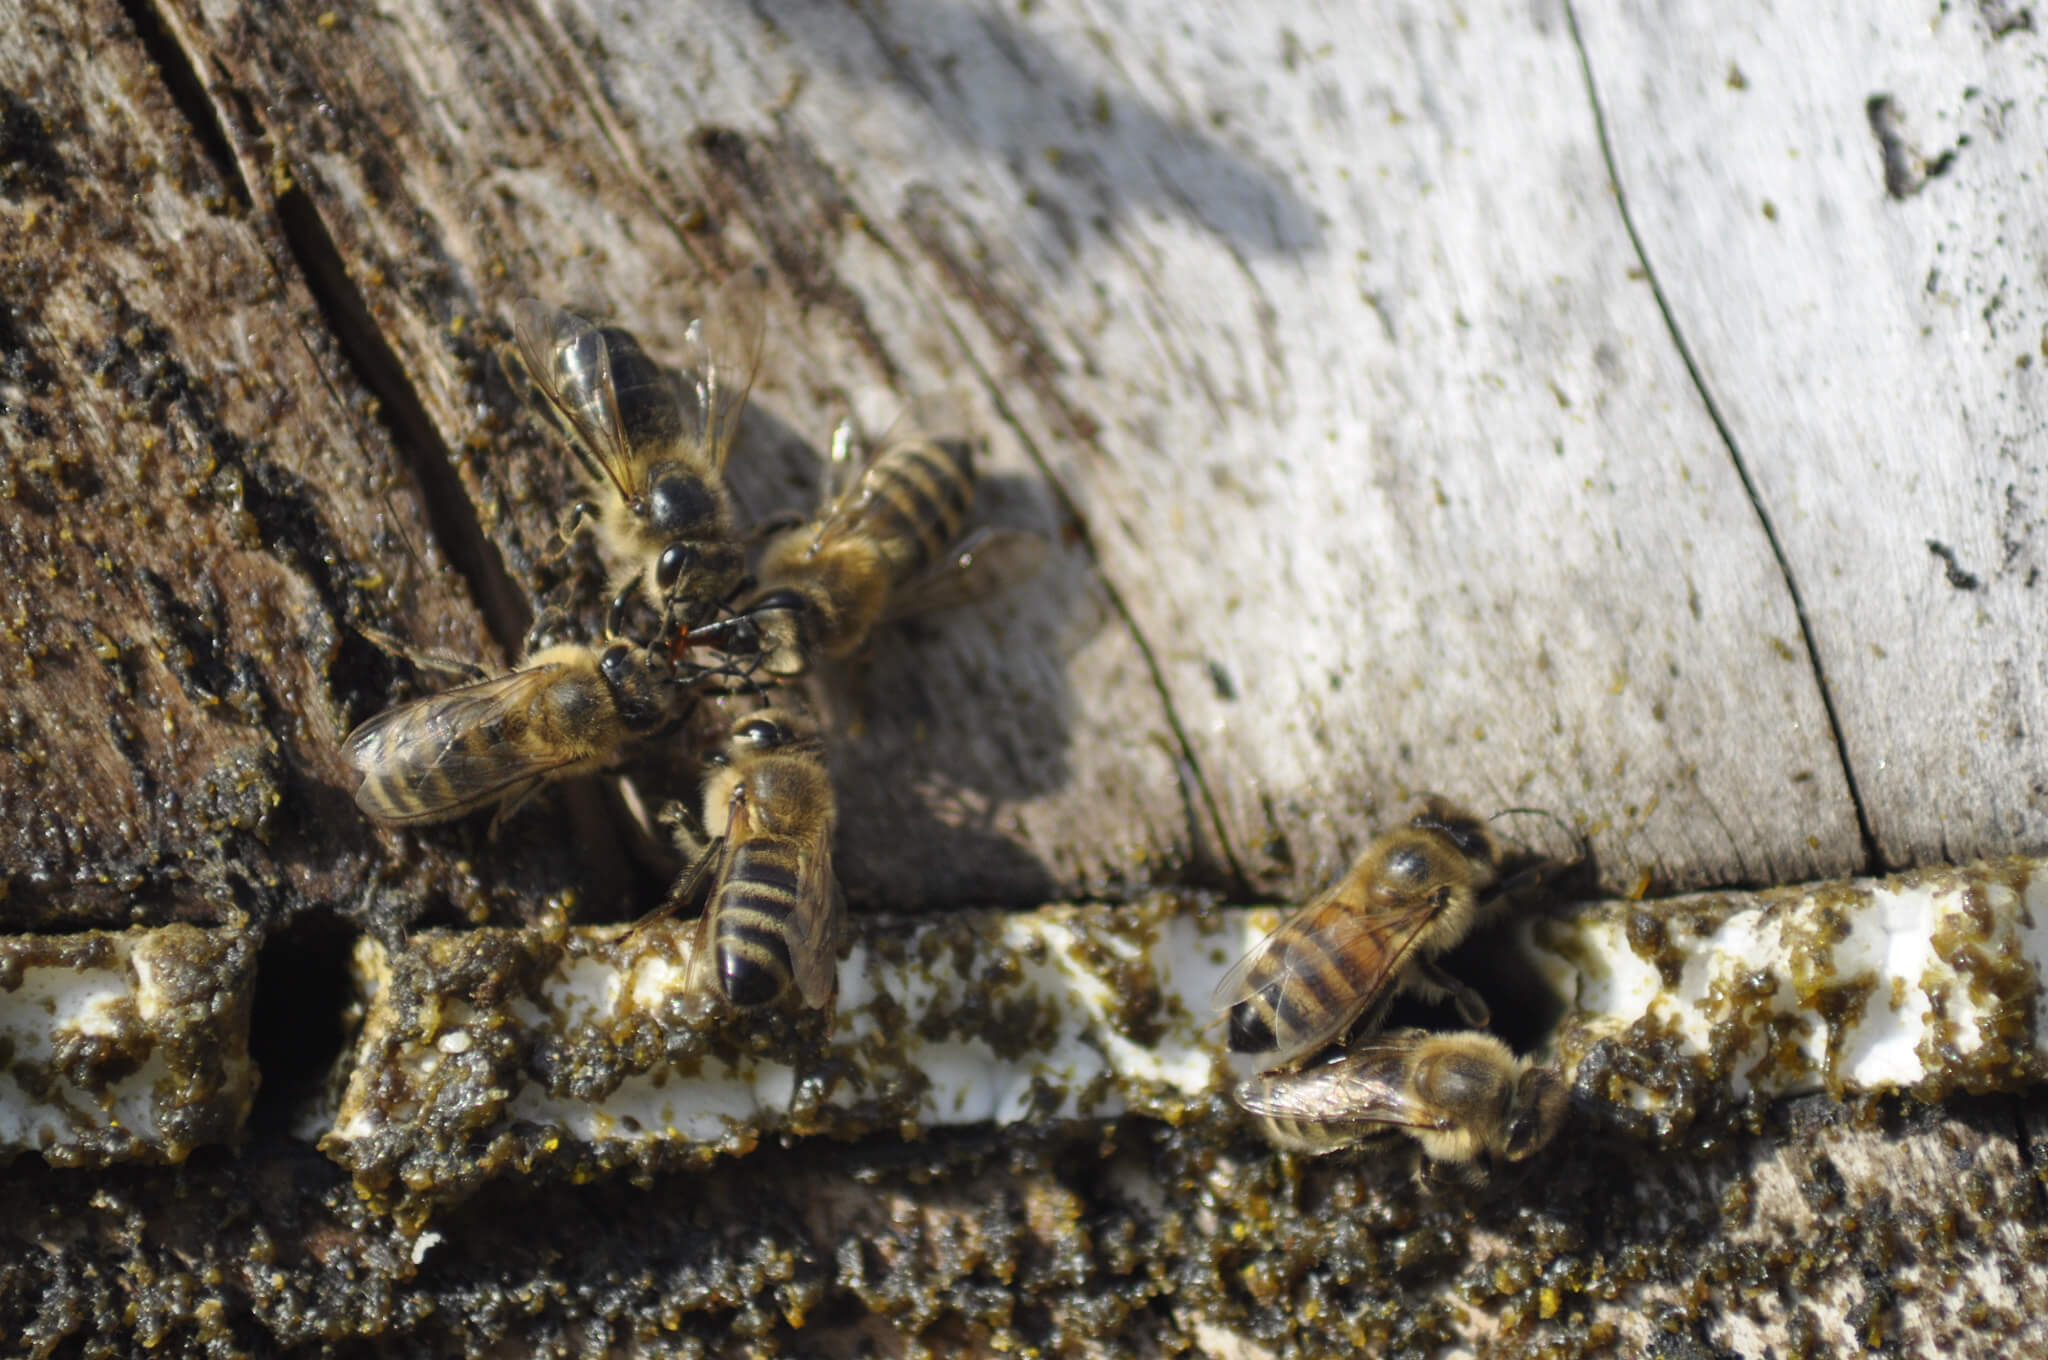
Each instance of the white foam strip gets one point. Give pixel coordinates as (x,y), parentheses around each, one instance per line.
(1059,1013)
(128,1046)
(1925,981)
(527,1046)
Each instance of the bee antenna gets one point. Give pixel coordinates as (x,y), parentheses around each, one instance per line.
(405,539)
(1585,846)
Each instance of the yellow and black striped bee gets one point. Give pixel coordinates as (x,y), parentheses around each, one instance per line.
(772,922)
(1413,894)
(886,545)
(1465,1098)
(653,447)
(568,710)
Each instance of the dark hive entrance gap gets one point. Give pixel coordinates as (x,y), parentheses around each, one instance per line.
(296,1028)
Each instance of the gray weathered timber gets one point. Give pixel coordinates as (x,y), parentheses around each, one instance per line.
(1382,451)
(1842,207)
(194,523)
(457,157)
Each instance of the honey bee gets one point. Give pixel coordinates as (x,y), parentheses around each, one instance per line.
(1413,894)
(886,545)
(1465,1098)
(568,710)
(652,447)
(772,923)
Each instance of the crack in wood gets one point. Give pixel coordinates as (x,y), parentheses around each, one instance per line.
(451,516)
(189,94)
(1873,860)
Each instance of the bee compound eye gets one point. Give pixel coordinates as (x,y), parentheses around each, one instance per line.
(760,732)
(676,559)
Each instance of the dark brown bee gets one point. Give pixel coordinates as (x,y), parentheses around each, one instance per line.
(654,448)
(887,545)
(772,924)
(1465,1098)
(568,710)
(1413,894)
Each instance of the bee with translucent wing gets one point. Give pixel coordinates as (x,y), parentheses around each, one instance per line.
(1465,1098)
(497,740)
(1412,895)
(772,923)
(653,448)
(886,545)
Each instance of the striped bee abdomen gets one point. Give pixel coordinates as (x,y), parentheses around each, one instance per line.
(755,903)
(919,496)
(1314,1137)
(1296,1003)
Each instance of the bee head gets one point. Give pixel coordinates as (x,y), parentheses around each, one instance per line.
(1465,831)
(644,692)
(1540,1104)
(771,729)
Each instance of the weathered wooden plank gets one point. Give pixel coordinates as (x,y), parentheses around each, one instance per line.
(1119,227)
(458,157)
(193,524)
(1841,206)
(1456,521)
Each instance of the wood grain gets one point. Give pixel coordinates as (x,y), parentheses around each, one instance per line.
(194,523)
(1628,411)
(1830,200)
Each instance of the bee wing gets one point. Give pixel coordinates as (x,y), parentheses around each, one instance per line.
(1369,1085)
(563,367)
(701,977)
(814,929)
(1377,943)
(723,355)
(986,561)
(418,765)
(1323,916)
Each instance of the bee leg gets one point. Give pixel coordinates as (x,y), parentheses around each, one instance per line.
(511,805)
(1434,1177)
(579,513)
(685,829)
(1433,984)
(615,616)
(685,888)
(549,626)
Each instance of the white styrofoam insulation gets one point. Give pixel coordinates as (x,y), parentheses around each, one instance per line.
(1923,982)
(124,1046)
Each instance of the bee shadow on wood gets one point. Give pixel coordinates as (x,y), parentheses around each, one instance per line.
(947,723)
